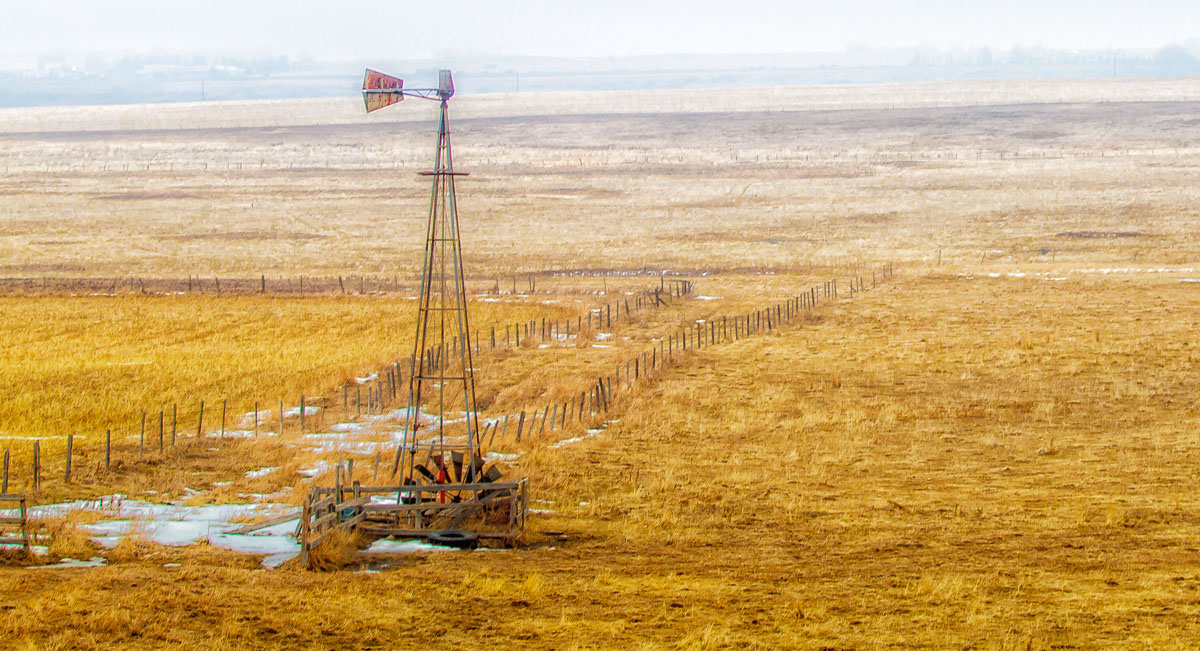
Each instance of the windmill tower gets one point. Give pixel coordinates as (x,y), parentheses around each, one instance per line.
(441,431)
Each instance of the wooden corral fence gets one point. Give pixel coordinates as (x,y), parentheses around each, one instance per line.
(498,509)
(14,529)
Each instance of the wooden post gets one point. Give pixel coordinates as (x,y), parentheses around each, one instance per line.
(107,451)
(281,416)
(174,421)
(70,448)
(223,402)
(546,413)
(520,425)
(142,437)
(554,417)
(256,418)
(4,486)
(200,421)
(161,421)
(37,465)
(262,284)
(302,410)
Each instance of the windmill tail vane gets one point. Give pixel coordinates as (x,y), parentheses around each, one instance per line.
(382,90)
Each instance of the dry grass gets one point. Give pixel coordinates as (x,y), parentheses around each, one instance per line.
(995,452)
(83,364)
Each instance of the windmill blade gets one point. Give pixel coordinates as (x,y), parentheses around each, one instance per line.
(374,82)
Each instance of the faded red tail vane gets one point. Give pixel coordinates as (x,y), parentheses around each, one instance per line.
(381,83)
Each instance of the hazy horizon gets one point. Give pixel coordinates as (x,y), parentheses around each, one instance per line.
(366,29)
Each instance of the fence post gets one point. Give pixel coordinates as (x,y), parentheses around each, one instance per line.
(4,486)
(302,410)
(200,421)
(70,448)
(37,465)
(174,421)
(520,425)
(107,450)
(223,401)
(142,436)
(161,420)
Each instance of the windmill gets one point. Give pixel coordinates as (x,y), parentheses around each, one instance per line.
(441,445)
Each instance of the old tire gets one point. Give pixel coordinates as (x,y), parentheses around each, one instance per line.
(456,538)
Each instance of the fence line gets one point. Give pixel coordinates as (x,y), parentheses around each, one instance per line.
(595,400)
(701,334)
(382,389)
(522,284)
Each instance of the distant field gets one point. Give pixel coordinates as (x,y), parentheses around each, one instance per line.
(691,192)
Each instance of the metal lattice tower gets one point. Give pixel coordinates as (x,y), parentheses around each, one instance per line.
(441,424)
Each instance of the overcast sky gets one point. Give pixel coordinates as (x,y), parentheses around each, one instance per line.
(403,29)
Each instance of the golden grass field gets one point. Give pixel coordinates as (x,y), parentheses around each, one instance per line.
(996,449)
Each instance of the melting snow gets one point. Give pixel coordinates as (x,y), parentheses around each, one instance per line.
(500,456)
(589,434)
(95,561)
(177,525)
(405,547)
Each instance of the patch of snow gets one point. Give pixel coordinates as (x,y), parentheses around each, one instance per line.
(587,435)
(369,378)
(247,420)
(1189,280)
(405,547)
(319,468)
(95,561)
(294,412)
(500,456)
(601,346)
(275,560)
(177,525)
(542,511)
(708,298)
(603,336)
(349,427)
(261,472)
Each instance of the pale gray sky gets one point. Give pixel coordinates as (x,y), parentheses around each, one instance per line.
(404,29)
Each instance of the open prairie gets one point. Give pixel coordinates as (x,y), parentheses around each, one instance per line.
(994,446)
